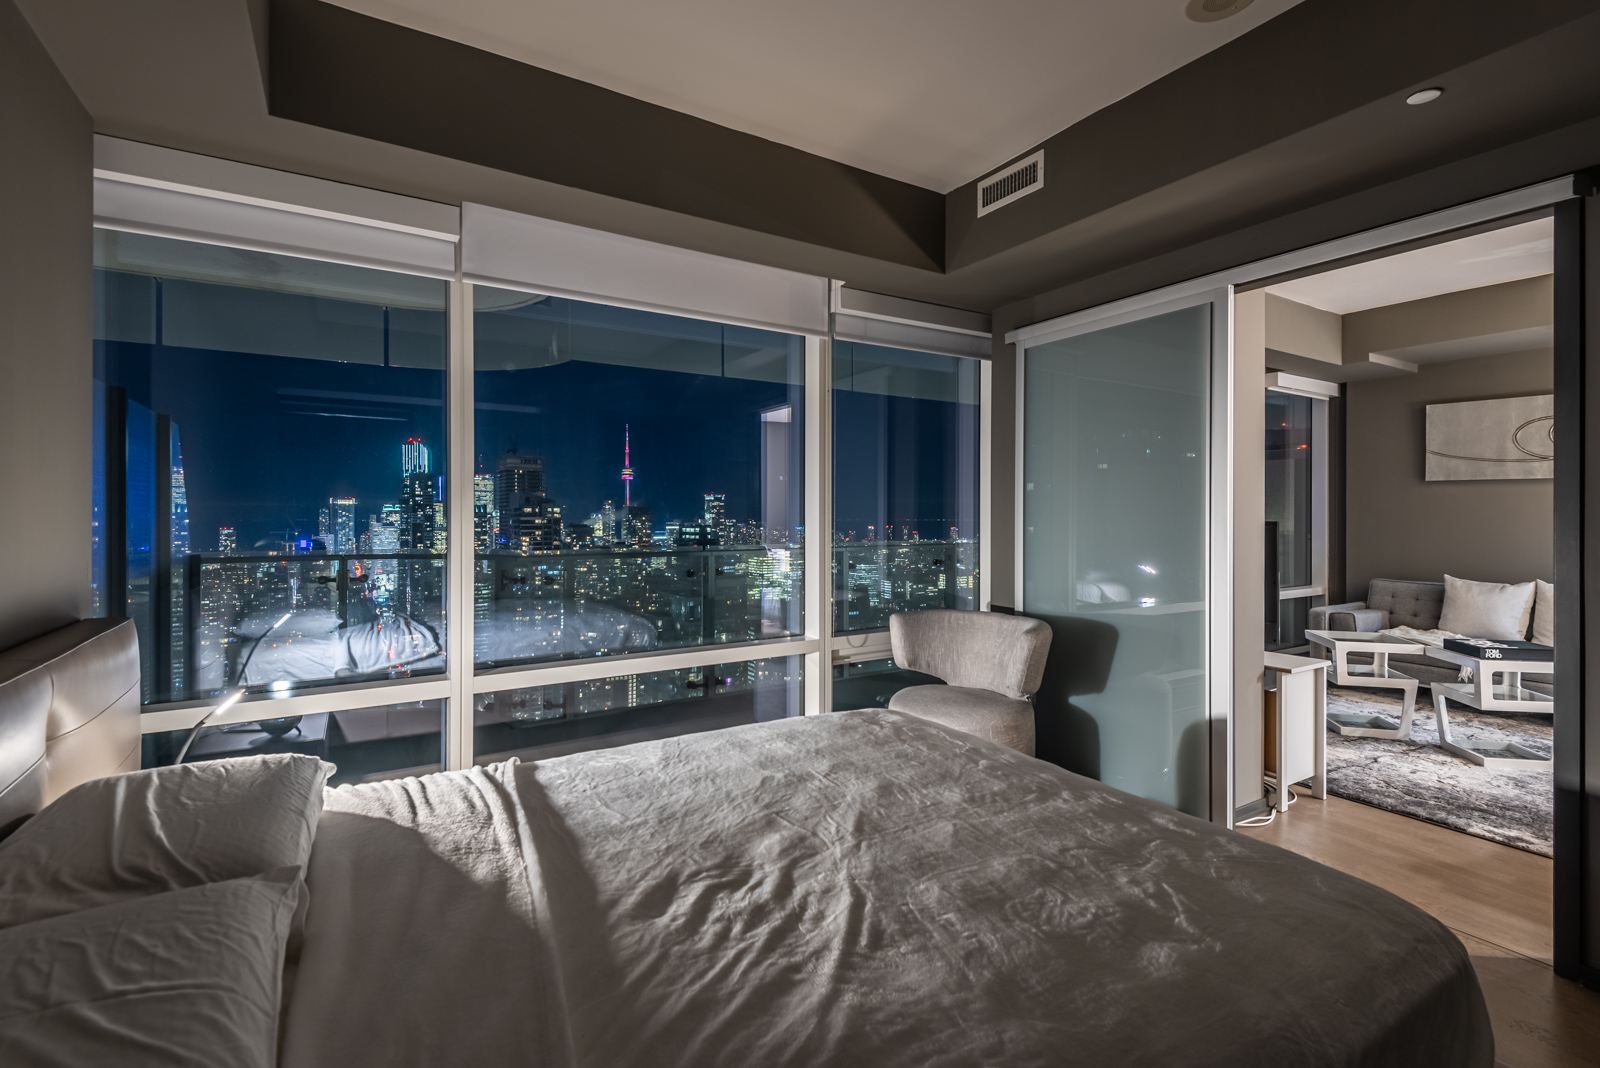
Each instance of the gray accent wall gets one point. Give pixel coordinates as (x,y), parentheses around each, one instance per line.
(46,157)
(1398,525)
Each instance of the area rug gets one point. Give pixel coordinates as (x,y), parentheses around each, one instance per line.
(1417,778)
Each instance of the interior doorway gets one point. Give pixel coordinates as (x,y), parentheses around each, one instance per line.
(1408,475)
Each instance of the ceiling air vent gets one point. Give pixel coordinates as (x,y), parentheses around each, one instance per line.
(1017,180)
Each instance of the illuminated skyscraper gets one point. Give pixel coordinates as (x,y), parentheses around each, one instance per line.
(414,457)
(180,512)
(421,513)
(716,515)
(529,521)
(485,519)
(340,536)
(227,543)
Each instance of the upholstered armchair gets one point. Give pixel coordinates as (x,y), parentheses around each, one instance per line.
(993,665)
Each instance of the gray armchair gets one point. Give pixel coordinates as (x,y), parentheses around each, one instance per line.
(993,665)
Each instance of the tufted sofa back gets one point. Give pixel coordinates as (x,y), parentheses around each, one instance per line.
(1409,604)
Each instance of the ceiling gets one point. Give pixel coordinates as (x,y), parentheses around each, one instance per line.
(935,93)
(1505,255)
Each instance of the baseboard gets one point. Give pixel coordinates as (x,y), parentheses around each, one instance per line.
(1258,807)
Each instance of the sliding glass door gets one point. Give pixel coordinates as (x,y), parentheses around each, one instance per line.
(1119,500)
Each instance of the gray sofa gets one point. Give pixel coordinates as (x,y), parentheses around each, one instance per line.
(1401,603)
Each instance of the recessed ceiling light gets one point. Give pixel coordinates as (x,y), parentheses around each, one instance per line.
(1214,10)
(1424,96)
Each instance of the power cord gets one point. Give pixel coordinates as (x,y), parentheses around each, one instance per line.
(1269,783)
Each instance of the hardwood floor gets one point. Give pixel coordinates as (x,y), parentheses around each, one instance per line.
(1496,899)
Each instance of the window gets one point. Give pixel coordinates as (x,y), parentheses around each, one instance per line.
(905,483)
(870,683)
(638,484)
(1291,459)
(383,742)
(269,497)
(538,722)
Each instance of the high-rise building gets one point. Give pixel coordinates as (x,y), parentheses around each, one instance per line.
(383,535)
(636,532)
(340,534)
(529,521)
(180,513)
(323,529)
(485,518)
(227,542)
(698,533)
(716,515)
(421,513)
(414,458)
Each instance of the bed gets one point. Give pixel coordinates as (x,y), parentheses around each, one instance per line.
(860,888)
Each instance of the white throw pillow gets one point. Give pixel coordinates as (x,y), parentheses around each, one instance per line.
(191,977)
(148,832)
(1544,613)
(1496,610)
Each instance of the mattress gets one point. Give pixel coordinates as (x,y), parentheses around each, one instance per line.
(860,888)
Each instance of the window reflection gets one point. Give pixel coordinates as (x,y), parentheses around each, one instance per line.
(905,483)
(639,480)
(269,495)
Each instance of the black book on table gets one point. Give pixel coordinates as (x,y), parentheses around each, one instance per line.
(1486,649)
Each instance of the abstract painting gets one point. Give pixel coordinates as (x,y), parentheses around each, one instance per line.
(1513,437)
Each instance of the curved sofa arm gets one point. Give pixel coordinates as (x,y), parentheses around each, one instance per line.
(1363,620)
(1319,618)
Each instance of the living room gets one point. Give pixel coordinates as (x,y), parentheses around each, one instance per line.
(1410,506)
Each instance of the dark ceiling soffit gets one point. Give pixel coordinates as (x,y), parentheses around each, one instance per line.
(1316,61)
(1513,166)
(335,68)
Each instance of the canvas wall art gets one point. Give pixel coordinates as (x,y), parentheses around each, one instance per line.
(1513,437)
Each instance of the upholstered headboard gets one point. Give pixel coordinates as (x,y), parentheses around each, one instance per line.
(69,712)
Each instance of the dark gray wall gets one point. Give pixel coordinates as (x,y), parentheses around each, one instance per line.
(45,355)
(1398,525)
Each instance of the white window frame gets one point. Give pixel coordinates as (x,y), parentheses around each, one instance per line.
(1318,587)
(196,198)
(896,322)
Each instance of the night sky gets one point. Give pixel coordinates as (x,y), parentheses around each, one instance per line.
(268,439)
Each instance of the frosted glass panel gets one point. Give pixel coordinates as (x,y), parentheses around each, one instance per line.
(1114,516)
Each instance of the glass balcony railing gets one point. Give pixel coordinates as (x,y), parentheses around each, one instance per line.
(874,580)
(561,605)
(275,622)
(284,622)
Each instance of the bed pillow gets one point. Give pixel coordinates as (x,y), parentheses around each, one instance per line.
(1496,610)
(148,832)
(1544,612)
(190,977)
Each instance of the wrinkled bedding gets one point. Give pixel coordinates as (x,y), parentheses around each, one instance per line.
(862,888)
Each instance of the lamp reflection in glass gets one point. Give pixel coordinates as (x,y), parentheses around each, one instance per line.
(233,697)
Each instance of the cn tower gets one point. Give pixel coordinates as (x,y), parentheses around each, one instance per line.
(627,471)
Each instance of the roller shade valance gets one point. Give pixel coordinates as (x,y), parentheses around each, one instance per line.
(515,251)
(131,205)
(878,319)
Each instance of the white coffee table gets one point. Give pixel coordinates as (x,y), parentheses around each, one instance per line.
(1379,676)
(1481,693)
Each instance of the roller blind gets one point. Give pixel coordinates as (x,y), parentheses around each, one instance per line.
(514,251)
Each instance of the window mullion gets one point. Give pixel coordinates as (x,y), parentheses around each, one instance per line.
(459,524)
